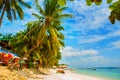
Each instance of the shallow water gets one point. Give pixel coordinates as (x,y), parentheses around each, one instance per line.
(109,73)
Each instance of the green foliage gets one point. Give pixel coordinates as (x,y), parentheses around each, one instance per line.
(112,19)
(109,1)
(62,2)
(97,2)
(88,2)
(115,12)
(6,37)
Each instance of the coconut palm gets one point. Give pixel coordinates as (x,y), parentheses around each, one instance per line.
(12,7)
(51,16)
(43,38)
(49,37)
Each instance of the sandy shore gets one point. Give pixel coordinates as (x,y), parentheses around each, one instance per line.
(31,74)
(68,76)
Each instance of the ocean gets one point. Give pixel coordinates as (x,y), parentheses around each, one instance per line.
(108,73)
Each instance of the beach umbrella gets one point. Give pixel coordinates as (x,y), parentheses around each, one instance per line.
(6,58)
(9,55)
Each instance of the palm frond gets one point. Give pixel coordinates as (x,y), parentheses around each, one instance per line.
(39,8)
(24,4)
(14,13)
(19,11)
(11,7)
(37,16)
(65,16)
(59,28)
(1,4)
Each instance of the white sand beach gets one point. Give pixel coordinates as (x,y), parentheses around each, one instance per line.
(68,76)
(27,74)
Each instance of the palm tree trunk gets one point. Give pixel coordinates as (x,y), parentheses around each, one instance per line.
(2,15)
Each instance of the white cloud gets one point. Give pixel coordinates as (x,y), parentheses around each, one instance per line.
(70,37)
(96,38)
(90,18)
(116,44)
(94,59)
(91,39)
(70,51)
(114,34)
(113,45)
(89,61)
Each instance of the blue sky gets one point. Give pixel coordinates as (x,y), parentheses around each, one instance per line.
(90,39)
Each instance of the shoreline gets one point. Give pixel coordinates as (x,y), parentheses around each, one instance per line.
(69,75)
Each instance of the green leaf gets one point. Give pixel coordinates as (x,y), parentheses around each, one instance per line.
(88,2)
(112,19)
(118,16)
(36,2)
(111,7)
(109,1)
(61,2)
(71,0)
(98,3)
(24,3)
(1,4)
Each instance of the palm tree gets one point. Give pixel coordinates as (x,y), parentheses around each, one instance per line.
(11,7)
(44,38)
(49,36)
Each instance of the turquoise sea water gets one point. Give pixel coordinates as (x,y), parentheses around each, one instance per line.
(109,73)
